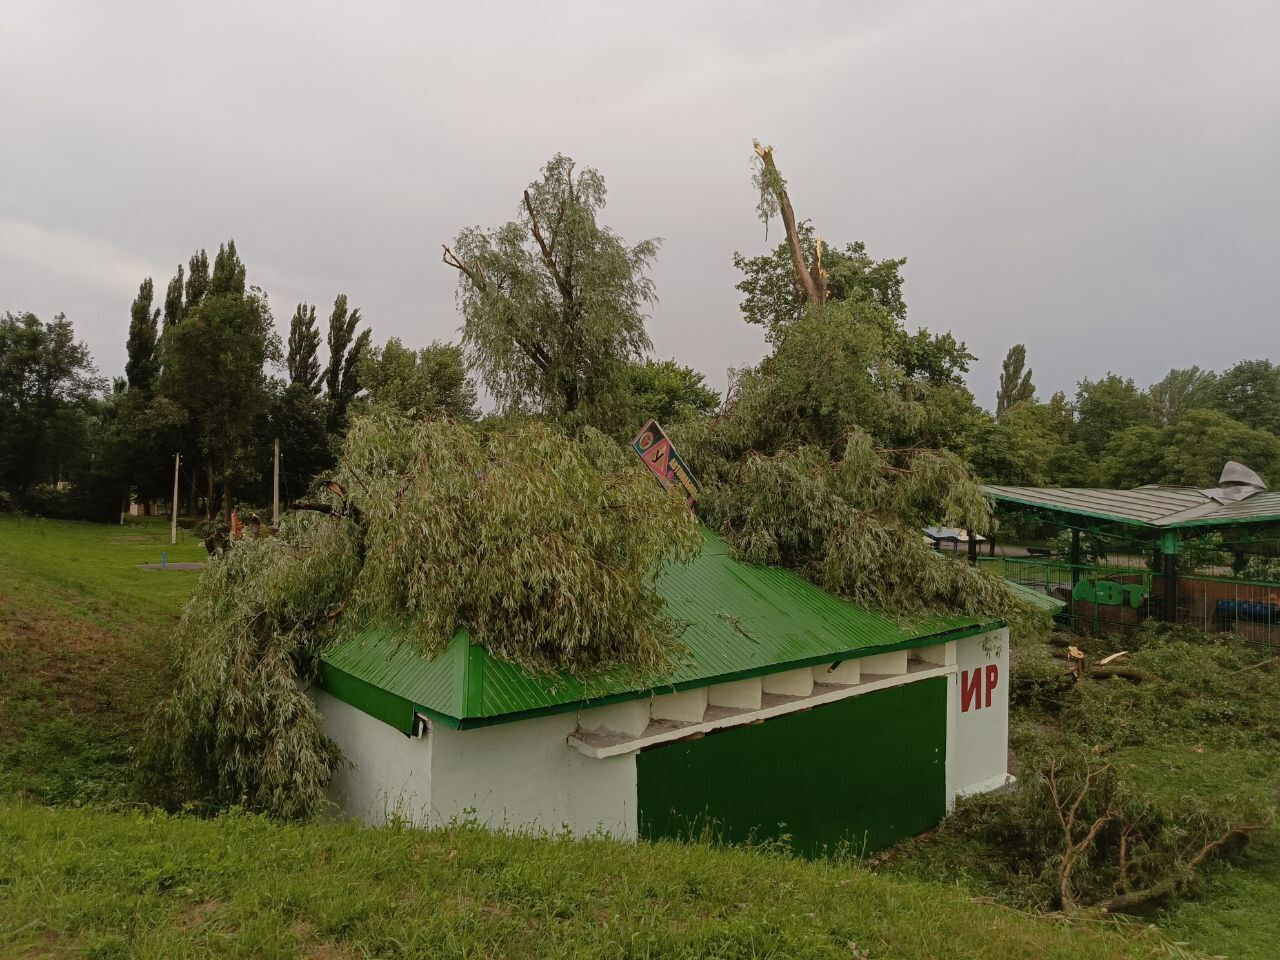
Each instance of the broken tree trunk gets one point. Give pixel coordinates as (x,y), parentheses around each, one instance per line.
(811,280)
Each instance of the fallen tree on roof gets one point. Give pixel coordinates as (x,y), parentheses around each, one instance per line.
(543,548)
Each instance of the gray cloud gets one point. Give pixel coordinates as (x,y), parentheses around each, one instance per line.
(1096,180)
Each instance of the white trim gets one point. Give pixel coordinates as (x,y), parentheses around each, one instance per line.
(986,786)
(602,748)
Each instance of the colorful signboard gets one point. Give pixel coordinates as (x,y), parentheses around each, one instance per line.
(655,449)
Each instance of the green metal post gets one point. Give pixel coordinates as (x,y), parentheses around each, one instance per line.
(1075,558)
(1169,546)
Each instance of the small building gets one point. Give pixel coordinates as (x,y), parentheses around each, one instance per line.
(792,714)
(951,538)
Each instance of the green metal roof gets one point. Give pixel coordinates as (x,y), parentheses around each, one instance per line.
(740,621)
(1036,598)
(1155,507)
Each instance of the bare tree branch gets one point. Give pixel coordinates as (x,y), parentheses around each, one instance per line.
(474,274)
(547,248)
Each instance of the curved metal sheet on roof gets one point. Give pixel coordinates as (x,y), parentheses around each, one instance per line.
(1156,507)
(738,621)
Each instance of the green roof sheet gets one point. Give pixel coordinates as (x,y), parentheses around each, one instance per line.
(1036,598)
(741,621)
(1155,507)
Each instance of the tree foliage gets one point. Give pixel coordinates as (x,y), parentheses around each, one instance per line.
(341,381)
(852,524)
(666,391)
(302,362)
(173,301)
(429,382)
(1077,833)
(542,549)
(1189,452)
(830,454)
(808,272)
(197,281)
(142,365)
(1180,391)
(1108,405)
(299,419)
(47,379)
(214,370)
(771,296)
(1249,393)
(553,302)
(239,727)
(1015,380)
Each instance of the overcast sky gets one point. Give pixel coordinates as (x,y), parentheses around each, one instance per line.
(1098,180)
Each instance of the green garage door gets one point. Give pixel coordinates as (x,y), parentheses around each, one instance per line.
(866,771)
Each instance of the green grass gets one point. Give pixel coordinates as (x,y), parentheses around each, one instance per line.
(83,650)
(81,883)
(1237,909)
(84,641)
(90,570)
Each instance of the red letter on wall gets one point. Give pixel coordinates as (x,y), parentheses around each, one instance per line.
(992,678)
(969,690)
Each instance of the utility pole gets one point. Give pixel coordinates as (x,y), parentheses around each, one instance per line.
(275,497)
(173,523)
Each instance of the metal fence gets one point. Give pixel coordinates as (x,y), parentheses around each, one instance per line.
(1110,598)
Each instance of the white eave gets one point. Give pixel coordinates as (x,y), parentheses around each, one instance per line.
(599,744)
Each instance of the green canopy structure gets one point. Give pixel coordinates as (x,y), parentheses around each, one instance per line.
(1165,514)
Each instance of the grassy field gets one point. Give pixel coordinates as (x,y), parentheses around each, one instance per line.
(82,883)
(83,650)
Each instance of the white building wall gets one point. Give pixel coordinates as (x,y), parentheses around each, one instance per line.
(978,721)
(387,774)
(524,776)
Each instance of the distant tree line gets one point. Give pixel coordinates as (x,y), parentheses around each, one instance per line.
(554,307)
(1114,433)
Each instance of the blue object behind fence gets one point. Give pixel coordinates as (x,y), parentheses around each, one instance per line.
(1250,611)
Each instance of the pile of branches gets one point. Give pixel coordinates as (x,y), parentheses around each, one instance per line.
(543,548)
(1075,834)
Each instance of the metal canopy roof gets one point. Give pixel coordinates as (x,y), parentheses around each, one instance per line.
(741,621)
(1154,507)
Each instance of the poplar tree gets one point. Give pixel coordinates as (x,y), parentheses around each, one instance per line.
(142,366)
(213,369)
(303,360)
(1015,380)
(173,304)
(197,280)
(341,379)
